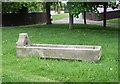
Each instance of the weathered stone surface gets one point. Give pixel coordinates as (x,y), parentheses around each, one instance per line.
(23,40)
(78,52)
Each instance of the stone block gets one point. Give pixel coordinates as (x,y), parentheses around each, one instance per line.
(23,40)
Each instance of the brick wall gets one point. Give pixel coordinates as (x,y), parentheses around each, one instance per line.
(110,15)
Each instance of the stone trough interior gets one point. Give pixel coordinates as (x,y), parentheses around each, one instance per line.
(66,46)
(77,52)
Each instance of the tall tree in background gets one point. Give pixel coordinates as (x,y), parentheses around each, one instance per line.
(112,5)
(48,12)
(104,14)
(76,8)
(57,7)
(70,20)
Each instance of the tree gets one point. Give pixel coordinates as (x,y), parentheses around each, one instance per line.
(57,6)
(104,15)
(113,5)
(75,8)
(70,20)
(48,12)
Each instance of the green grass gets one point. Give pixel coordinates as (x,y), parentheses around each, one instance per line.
(0,55)
(34,69)
(117,20)
(60,16)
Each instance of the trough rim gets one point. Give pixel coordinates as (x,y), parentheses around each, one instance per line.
(69,47)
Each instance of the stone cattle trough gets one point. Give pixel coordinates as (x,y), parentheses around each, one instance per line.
(78,52)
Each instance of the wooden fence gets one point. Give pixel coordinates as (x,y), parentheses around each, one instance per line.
(14,19)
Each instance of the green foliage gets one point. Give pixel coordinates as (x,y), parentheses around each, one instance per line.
(113,5)
(15,7)
(57,6)
(76,8)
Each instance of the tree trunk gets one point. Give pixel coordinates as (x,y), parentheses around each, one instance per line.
(104,15)
(84,13)
(58,9)
(84,17)
(70,21)
(48,13)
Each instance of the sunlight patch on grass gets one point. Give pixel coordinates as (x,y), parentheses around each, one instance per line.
(117,20)
(60,16)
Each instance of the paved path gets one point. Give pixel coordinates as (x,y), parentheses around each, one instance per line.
(81,21)
(76,20)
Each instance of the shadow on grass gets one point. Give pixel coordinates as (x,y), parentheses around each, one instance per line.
(67,60)
(94,27)
(76,26)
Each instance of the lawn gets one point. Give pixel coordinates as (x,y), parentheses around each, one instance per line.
(0,54)
(60,16)
(34,69)
(117,20)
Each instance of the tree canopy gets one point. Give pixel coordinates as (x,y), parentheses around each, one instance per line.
(79,7)
(15,7)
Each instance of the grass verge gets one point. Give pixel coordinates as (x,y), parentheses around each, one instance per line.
(60,16)
(0,55)
(117,20)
